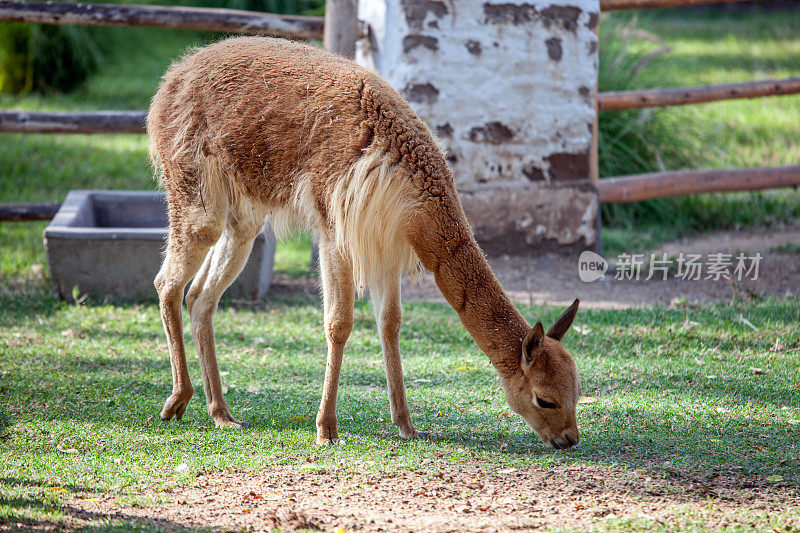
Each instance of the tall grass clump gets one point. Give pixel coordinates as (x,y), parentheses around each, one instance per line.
(634,141)
(45,58)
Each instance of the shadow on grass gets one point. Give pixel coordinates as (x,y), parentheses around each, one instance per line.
(34,512)
(16,306)
(20,305)
(12,482)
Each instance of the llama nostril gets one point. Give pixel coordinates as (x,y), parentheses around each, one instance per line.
(571,437)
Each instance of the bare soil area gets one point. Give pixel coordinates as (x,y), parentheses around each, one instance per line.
(451,498)
(553,279)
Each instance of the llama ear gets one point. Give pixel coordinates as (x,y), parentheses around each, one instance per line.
(564,322)
(531,343)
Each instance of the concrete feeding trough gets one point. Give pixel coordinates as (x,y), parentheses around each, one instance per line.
(109,244)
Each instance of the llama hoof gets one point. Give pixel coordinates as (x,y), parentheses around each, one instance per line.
(233,424)
(409,434)
(174,406)
(327,437)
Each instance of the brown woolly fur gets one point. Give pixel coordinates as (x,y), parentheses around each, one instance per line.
(253,128)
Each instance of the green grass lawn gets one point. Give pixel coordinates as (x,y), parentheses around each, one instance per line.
(683,390)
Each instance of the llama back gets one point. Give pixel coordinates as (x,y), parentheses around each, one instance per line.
(265,109)
(312,137)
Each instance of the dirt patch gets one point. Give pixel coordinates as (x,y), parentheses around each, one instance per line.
(451,498)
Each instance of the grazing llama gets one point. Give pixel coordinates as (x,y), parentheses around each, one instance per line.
(252,127)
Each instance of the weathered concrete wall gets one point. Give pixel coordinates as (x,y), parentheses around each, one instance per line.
(509,89)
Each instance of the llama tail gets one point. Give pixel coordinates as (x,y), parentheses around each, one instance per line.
(368,207)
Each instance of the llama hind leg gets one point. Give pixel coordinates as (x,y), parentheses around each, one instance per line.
(338,296)
(185,252)
(386,299)
(221,268)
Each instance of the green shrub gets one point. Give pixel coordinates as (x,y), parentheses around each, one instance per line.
(626,140)
(45,58)
(636,140)
(647,140)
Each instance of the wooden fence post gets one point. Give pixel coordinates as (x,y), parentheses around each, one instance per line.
(341,27)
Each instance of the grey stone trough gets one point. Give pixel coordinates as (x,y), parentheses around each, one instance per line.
(109,244)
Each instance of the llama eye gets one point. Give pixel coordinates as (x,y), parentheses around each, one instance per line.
(544,404)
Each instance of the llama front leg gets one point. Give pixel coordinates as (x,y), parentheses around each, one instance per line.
(186,247)
(338,295)
(386,300)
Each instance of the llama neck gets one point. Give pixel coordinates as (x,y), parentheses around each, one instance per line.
(446,246)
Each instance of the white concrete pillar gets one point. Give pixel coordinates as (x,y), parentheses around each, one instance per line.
(508,86)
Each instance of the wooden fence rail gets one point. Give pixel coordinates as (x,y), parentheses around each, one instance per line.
(133,121)
(662,184)
(616,101)
(26,212)
(611,190)
(84,122)
(192,18)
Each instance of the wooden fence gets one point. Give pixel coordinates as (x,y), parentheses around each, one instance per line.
(648,186)
(662,184)
(340,30)
(616,101)
(190,18)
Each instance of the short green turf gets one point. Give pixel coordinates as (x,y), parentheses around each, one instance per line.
(683,389)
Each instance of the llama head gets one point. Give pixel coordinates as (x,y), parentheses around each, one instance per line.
(546,389)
